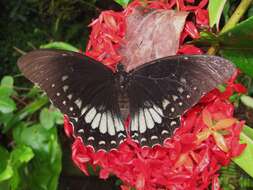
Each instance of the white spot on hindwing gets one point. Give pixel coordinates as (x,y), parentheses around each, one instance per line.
(90,115)
(118,124)
(84,110)
(183,80)
(70,96)
(110,125)
(180,90)
(53,85)
(101,142)
(149,120)
(91,138)
(143,139)
(71,109)
(154,137)
(165,103)
(135,135)
(142,123)
(134,122)
(78,102)
(65,88)
(121,135)
(174,97)
(58,94)
(159,110)
(96,121)
(165,132)
(103,124)
(113,142)
(65,77)
(156,117)
(80,131)
(172,123)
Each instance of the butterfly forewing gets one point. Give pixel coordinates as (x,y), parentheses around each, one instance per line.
(83,89)
(162,90)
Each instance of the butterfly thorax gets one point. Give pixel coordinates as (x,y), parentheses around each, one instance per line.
(122,82)
(121,78)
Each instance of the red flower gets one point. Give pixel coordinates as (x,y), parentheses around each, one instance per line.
(207,138)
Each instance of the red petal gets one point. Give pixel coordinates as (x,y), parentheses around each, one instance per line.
(189,49)
(215,183)
(104,174)
(68,128)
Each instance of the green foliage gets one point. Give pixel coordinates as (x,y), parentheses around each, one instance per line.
(7,105)
(233,178)
(123,3)
(215,8)
(235,44)
(27,24)
(60,45)
(30,153)
(245,160)
(247,101)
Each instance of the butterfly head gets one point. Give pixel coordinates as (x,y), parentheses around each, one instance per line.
(121,77)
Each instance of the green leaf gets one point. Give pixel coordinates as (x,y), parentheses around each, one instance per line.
(58,116)
(215,8)
(6,174)
(237,45)
(34,92)
(4,157)
(242,59)
(5,119)
(239,37)
(6,88)
(245,160)
(44,169)
(123,3)
(26,111)
(7,81)
(21,154)
(33,107)
(7,105)
(60,45)
(46,119)
(247,101)
(35,137)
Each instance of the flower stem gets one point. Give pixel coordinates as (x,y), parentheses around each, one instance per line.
(233,20)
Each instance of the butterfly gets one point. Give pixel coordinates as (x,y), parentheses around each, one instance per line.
(98,100)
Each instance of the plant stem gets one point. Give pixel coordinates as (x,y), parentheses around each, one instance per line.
(233,20)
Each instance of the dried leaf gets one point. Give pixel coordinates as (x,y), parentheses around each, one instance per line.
(224,124)
(207,118)
(151,35)
(220,141)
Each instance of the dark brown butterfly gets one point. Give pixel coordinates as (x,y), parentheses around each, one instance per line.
(156,93)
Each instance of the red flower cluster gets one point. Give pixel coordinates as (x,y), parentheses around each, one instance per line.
(207,138)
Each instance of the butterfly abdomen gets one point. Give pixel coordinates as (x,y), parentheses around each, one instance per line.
(121,81)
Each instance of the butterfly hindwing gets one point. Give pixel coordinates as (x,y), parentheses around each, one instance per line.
(81,88)
(162,90)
